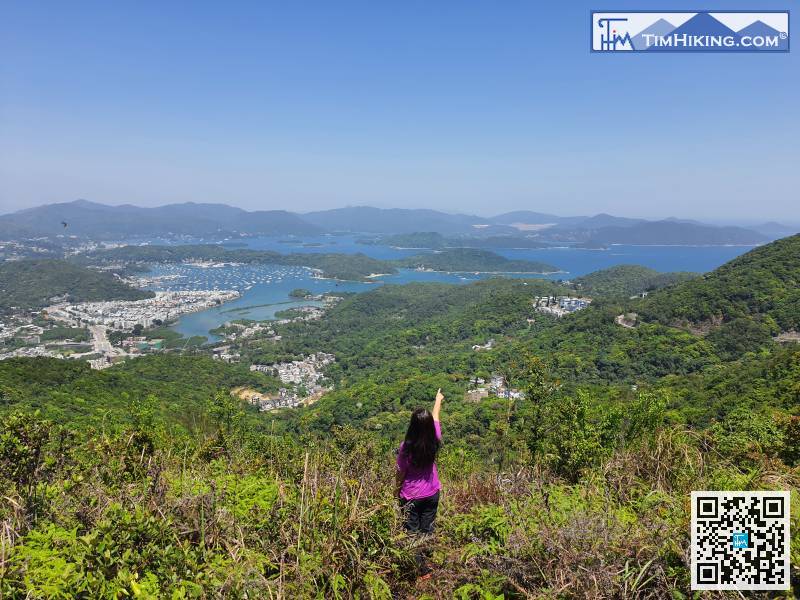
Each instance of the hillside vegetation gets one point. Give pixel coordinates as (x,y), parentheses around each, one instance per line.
(434,241)
(570,486)
(33,283)
(70,392)
(763,284)
(627,280)
(475,260)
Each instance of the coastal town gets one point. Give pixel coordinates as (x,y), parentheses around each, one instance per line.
(81,330)
(126,314)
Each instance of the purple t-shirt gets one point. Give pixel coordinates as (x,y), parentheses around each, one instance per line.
(418,482)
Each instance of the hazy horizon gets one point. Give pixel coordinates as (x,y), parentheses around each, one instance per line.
(716,221)
(477,109)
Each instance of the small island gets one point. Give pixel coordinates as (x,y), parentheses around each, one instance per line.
(300,293)
(430,240)
(463,260)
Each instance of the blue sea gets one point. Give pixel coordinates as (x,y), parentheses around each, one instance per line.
(265,288)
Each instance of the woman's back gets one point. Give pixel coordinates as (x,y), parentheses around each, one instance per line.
(419,481)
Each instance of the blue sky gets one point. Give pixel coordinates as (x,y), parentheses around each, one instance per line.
(473,106)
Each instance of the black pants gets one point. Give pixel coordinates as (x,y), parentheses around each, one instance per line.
(420,513)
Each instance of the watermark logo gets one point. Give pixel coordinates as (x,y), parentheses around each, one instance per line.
(740,540)
(687,31)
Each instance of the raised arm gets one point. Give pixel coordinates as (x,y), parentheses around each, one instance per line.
(437,405)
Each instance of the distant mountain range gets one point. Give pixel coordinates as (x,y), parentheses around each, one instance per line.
(90,220)
(100,221)
(675,233)
(367,219)
(775,230)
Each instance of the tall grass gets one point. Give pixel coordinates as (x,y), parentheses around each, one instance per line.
(134,515)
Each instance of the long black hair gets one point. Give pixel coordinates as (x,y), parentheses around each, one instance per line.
(421,444)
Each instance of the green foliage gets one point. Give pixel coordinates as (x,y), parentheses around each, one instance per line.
(765,281)
(590,346)
(485,530)
(30,284)
(299,293)
(734,338)
(626,280)
(24,461)
(128,553)
(76,334)
(143,513)
(473,260)
(755,383)
(179,387)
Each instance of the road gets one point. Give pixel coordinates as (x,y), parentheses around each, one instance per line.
(100,341)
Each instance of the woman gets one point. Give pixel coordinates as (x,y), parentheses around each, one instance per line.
(417,480)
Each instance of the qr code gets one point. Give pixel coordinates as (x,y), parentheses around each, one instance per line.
(740,541)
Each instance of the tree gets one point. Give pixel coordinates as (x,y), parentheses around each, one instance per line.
(226,411)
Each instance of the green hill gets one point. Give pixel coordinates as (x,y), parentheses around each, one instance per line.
(33,283)
(626,280)
(435,241)
(763,283)
(419,239)
(473,260)
(69,391)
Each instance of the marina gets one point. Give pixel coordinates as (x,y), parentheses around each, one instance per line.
(264,289)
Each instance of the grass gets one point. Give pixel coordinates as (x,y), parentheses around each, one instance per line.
(241,515)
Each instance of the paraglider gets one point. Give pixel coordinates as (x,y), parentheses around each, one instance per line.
(64,223)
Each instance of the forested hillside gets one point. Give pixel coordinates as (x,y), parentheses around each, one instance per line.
(472,259)
(627,280)
(762,284)
(71,392)
(33,283)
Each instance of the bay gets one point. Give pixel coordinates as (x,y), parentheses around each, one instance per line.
(265,288)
